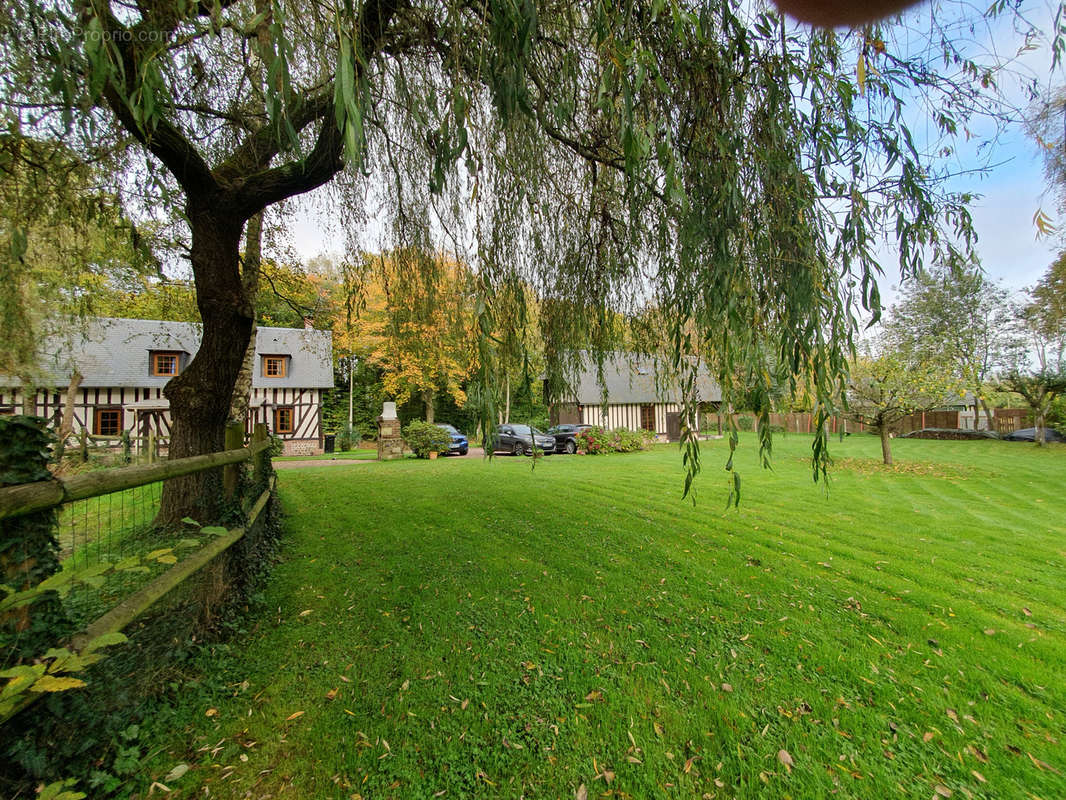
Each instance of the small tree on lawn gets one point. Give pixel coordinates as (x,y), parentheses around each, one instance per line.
(1041,375)
(953,312)
(887,384)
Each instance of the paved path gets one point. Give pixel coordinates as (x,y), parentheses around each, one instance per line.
(475,452)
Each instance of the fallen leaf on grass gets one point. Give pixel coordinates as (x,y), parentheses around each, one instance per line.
(954,717)
(305,613)
(594,695)
(927,736)
(211,712)
(726,687)
(785,758)
(978,775)
(657,728)
(1026,611)
(582,793)
(177,772)
(331,694)
(942,790)
(1042,764)
(990,631)
(294,715)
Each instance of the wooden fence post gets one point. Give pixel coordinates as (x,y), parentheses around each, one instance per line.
(151,447)
(231,473)
(261,459)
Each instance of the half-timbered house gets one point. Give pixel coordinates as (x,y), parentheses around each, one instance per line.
(125,363)
(636,392)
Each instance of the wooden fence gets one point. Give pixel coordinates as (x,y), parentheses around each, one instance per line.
(27,498)
(795,422)
(1006,421)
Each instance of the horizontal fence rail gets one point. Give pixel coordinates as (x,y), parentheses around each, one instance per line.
(28,497)
(121,566)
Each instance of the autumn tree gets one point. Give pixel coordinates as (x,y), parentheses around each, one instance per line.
(952,312)
(887,383)
(414,322)
(151,298)
(710,158)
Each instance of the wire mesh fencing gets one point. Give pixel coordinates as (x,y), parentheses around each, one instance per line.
(109,527)
(108,530)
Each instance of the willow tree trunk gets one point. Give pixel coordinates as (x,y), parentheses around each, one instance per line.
(199,411)
(886,444)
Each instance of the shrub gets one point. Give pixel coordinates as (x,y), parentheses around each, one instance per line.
(348,437)
(624,440)
(745,423)
(593,441)
(424,438)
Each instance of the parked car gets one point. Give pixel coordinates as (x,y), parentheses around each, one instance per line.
(1029,435)
(520,439)
(566,437)
(459,443)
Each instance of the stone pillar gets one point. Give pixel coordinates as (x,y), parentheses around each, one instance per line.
(390,442)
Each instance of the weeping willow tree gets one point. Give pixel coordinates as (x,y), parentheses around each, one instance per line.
(709,161)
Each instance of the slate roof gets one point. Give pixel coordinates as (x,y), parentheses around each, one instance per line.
(631,378)
(115,352)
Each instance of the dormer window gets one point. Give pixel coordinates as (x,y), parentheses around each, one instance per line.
(165,363)
(275,366)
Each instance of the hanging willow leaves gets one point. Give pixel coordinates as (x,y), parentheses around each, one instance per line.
(688,178)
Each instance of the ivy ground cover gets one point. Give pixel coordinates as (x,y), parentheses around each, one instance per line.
(464,628)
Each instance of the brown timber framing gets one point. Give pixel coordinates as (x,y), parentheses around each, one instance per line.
(28,497)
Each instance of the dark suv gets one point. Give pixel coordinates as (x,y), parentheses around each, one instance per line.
(520,439)
(566,437)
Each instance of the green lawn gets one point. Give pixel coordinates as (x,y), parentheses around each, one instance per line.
(465,628)
(362,452)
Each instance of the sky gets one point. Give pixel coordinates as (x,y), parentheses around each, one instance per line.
(1008,195)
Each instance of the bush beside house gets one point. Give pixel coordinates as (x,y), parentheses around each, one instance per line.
(424,438)
(597,440)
